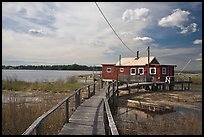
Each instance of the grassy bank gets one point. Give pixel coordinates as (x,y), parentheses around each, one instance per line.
(196,79)
(58,86)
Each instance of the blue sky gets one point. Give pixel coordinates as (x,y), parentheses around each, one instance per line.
(65,33)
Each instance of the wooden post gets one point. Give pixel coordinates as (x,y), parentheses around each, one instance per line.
(101,83)
(39,129)
(89,91)
(148,53)
(94,88)
(67,111)
(129,91)
(182,86)
(76,100)
(113,86)
(189,79)
(79,97)
(117,89)
(108,90)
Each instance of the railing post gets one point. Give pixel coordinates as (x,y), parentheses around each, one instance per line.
(108,90)
(39,129)
(189,79)
(113,87)
(79,97)
(94,88)
(89,91)
(76,100)
(67,111)
(101,83)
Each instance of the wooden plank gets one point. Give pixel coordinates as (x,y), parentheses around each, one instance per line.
(88,118)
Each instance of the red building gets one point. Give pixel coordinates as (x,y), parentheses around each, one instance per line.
(137,68)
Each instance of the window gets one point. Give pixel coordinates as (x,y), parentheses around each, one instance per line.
(141,71)
(121,69)
(108,70)
(132,71)
(153,70)
(163,70)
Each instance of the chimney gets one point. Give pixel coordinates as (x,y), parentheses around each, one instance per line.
(137,54)
(120,60)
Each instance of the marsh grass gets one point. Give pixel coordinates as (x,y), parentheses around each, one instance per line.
(188,124)
(17,117)
(196,80)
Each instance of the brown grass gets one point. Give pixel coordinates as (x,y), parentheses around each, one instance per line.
(17,117)
(189,124)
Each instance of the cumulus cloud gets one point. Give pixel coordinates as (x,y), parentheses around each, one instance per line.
(177,19)
(145,39)
(141,14)
(197,41)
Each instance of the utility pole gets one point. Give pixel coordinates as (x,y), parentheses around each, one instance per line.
(148,53)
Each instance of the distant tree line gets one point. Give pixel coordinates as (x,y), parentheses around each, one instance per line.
(54,67)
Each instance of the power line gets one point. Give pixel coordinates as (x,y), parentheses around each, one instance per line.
(114,30)
(143,51)
(185,66)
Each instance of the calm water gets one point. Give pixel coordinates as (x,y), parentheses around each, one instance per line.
(41,75)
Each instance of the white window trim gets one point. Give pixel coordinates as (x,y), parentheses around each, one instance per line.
(108,70)
(139,71)
(121,69)
(131,71)
(154,69)
(163,68)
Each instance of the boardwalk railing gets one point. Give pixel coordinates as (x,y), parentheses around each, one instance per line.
(77,95)
(110,126)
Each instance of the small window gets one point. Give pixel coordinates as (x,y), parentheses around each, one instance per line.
(132,71)
(121,69)
(108,70)
(153,70)
(141,71)
(163,70)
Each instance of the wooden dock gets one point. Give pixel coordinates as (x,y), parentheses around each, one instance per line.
(88,119)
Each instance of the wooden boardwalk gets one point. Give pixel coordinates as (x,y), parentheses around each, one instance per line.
(88,119)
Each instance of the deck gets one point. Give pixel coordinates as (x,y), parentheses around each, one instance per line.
(88,119)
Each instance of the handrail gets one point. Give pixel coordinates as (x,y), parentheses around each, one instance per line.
(112,129)
(42,117)
(111,123)
(37,123)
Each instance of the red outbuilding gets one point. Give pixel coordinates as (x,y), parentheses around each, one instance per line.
(138,68)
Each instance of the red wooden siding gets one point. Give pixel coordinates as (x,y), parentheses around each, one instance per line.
(115,70)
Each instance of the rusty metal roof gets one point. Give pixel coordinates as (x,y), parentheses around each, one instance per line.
(135,61)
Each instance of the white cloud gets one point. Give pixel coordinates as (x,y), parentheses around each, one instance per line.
(145,39)
(197,41)
(191,28)
(141,14)
(178,18)
(36,31)
(126,34)
(198,59)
